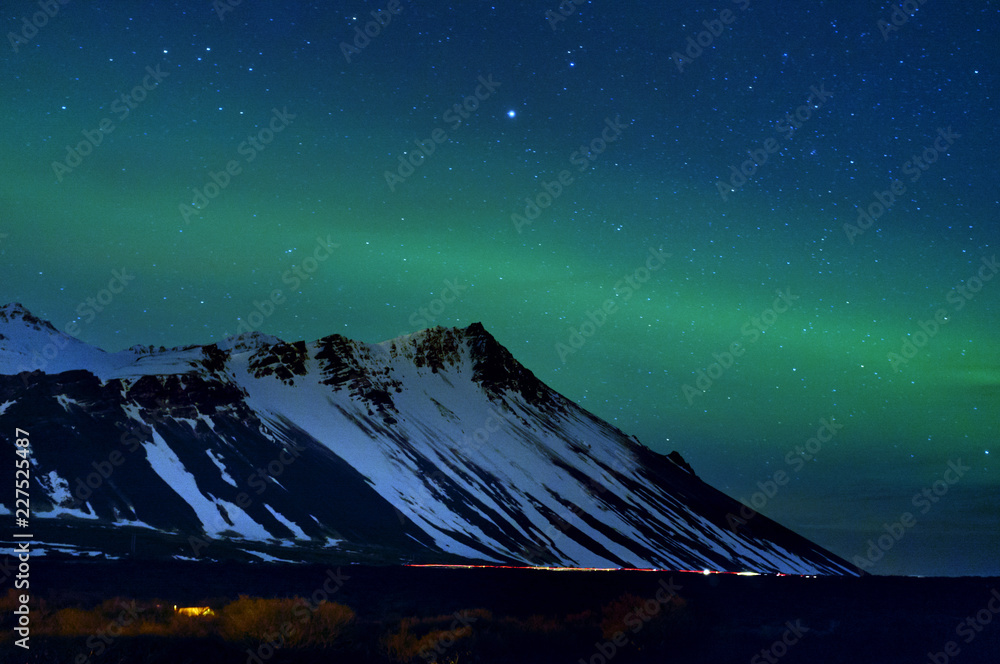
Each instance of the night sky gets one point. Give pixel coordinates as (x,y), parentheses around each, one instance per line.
(574,183)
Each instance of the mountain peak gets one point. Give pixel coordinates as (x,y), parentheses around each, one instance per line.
(477,330)
(493,366)
(496,369)
(17,312)
(29,343)
(433,447)
(248,341)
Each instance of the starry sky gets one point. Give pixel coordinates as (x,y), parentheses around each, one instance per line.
(726,228)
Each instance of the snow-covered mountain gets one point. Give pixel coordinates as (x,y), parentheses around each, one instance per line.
(434,447)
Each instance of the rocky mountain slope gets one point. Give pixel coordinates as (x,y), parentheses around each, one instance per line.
(434,447)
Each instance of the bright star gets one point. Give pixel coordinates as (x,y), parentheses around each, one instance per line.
(511,113)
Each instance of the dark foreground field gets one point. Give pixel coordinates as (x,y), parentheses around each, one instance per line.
(85,613)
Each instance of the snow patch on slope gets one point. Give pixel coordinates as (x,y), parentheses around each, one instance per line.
(296,531)
(222,469)
(212,512)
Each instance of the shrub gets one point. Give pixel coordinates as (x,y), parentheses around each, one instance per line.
(255,619)
(74,622)
(326,625)
(292,622)
(442,636)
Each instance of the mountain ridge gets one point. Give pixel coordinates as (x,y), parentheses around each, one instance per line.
(435,446)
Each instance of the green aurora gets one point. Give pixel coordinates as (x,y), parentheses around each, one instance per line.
(853,299)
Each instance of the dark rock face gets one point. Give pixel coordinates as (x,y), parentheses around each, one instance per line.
(679,460)
(437,348)
(282,360)
(497,370)
(345,368)
(185,395)
(82,434)
(214,358)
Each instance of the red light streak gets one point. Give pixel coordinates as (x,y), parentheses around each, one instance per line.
(590,569)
